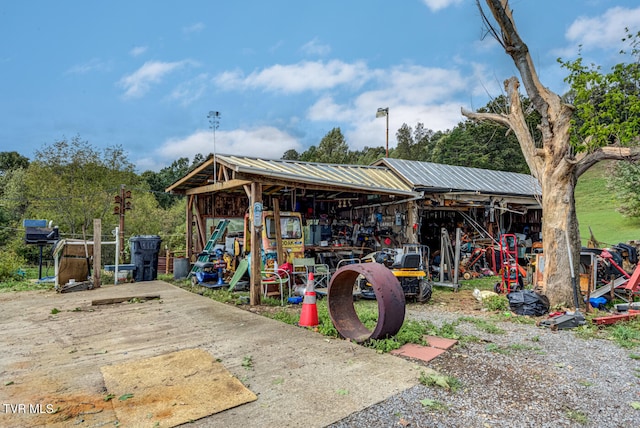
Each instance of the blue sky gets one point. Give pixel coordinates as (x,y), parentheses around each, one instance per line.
(144,74)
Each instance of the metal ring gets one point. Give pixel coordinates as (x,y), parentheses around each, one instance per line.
(389,295)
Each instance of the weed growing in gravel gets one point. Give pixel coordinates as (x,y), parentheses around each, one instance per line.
(483,325)
(626,334)
(496,303)
(434,379)
(585,382)
(586,331)
(433,404)
(634,356)
(513,318)
(577,416)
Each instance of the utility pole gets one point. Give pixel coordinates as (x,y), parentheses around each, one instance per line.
(384,112)
(214,123)
(122,204)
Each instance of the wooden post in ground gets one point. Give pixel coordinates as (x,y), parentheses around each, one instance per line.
(256,243)
(97,251)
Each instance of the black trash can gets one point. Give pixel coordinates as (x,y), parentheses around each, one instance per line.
(144,255)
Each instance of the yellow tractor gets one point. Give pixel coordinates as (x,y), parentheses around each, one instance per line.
(407,265)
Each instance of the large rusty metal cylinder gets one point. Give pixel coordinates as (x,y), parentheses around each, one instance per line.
(389,295)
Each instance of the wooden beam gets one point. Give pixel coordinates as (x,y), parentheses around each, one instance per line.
(202,239)
(278,231)
(189,216)
(217,187)
(192,174)
(256,246)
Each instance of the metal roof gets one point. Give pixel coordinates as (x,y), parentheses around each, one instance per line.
(378,179)
(436,177)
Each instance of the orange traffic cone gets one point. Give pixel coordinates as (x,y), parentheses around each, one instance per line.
(309,314)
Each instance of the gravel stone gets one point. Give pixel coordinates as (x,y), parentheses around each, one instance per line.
(540,379)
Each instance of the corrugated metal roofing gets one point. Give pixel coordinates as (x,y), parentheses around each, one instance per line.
(439,177)
(378,179)
(358,177)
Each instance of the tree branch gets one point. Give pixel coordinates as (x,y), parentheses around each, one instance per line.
(486,117)
(587,160)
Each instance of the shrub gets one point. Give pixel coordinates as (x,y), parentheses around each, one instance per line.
(10,263)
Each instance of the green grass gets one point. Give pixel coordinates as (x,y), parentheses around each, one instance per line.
(443,381)
(596,208)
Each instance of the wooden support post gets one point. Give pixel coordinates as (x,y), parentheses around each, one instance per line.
(256,245)
(278,231)
(97,251)
(189,216)
(203,234)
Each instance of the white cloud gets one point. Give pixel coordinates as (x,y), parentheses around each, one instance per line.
(603,32)
(94,64)
(137,51)
(191,90)
(436,5)
(371,131)
(326,109)
(299,77)
(412,93)
(314,47)
(194,28)
(264,142)
(139,82)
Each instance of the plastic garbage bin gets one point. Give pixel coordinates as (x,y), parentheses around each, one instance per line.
(181,267)
(144,255)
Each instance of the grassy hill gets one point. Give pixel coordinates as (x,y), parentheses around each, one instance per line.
(596,208)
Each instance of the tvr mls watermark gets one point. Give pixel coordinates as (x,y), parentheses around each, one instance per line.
(28,409)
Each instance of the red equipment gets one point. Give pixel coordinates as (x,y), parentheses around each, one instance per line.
(511,271)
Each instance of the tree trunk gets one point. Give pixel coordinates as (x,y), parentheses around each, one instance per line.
(554,165)
(559,214)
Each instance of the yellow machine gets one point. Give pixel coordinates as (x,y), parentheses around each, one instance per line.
(409,269)
(291,234)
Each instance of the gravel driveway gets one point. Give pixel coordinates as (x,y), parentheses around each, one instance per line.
(525,377)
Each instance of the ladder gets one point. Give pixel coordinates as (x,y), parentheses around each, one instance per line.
(203,258)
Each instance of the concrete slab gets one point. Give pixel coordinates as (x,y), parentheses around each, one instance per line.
(419,352)
(51,361)
(440,342)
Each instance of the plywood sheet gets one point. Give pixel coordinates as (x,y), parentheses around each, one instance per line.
(172,389)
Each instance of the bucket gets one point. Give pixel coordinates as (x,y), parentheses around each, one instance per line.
(181,267)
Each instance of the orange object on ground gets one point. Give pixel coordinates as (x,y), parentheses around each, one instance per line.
(309,314)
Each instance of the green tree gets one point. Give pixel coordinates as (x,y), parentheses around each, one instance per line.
(333,148)
(159,181)
(406,145)
(368,155)
(291,155)
(12,203)
(566,150)
(310,155)
(459,147)
(12,160)
(72,183)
